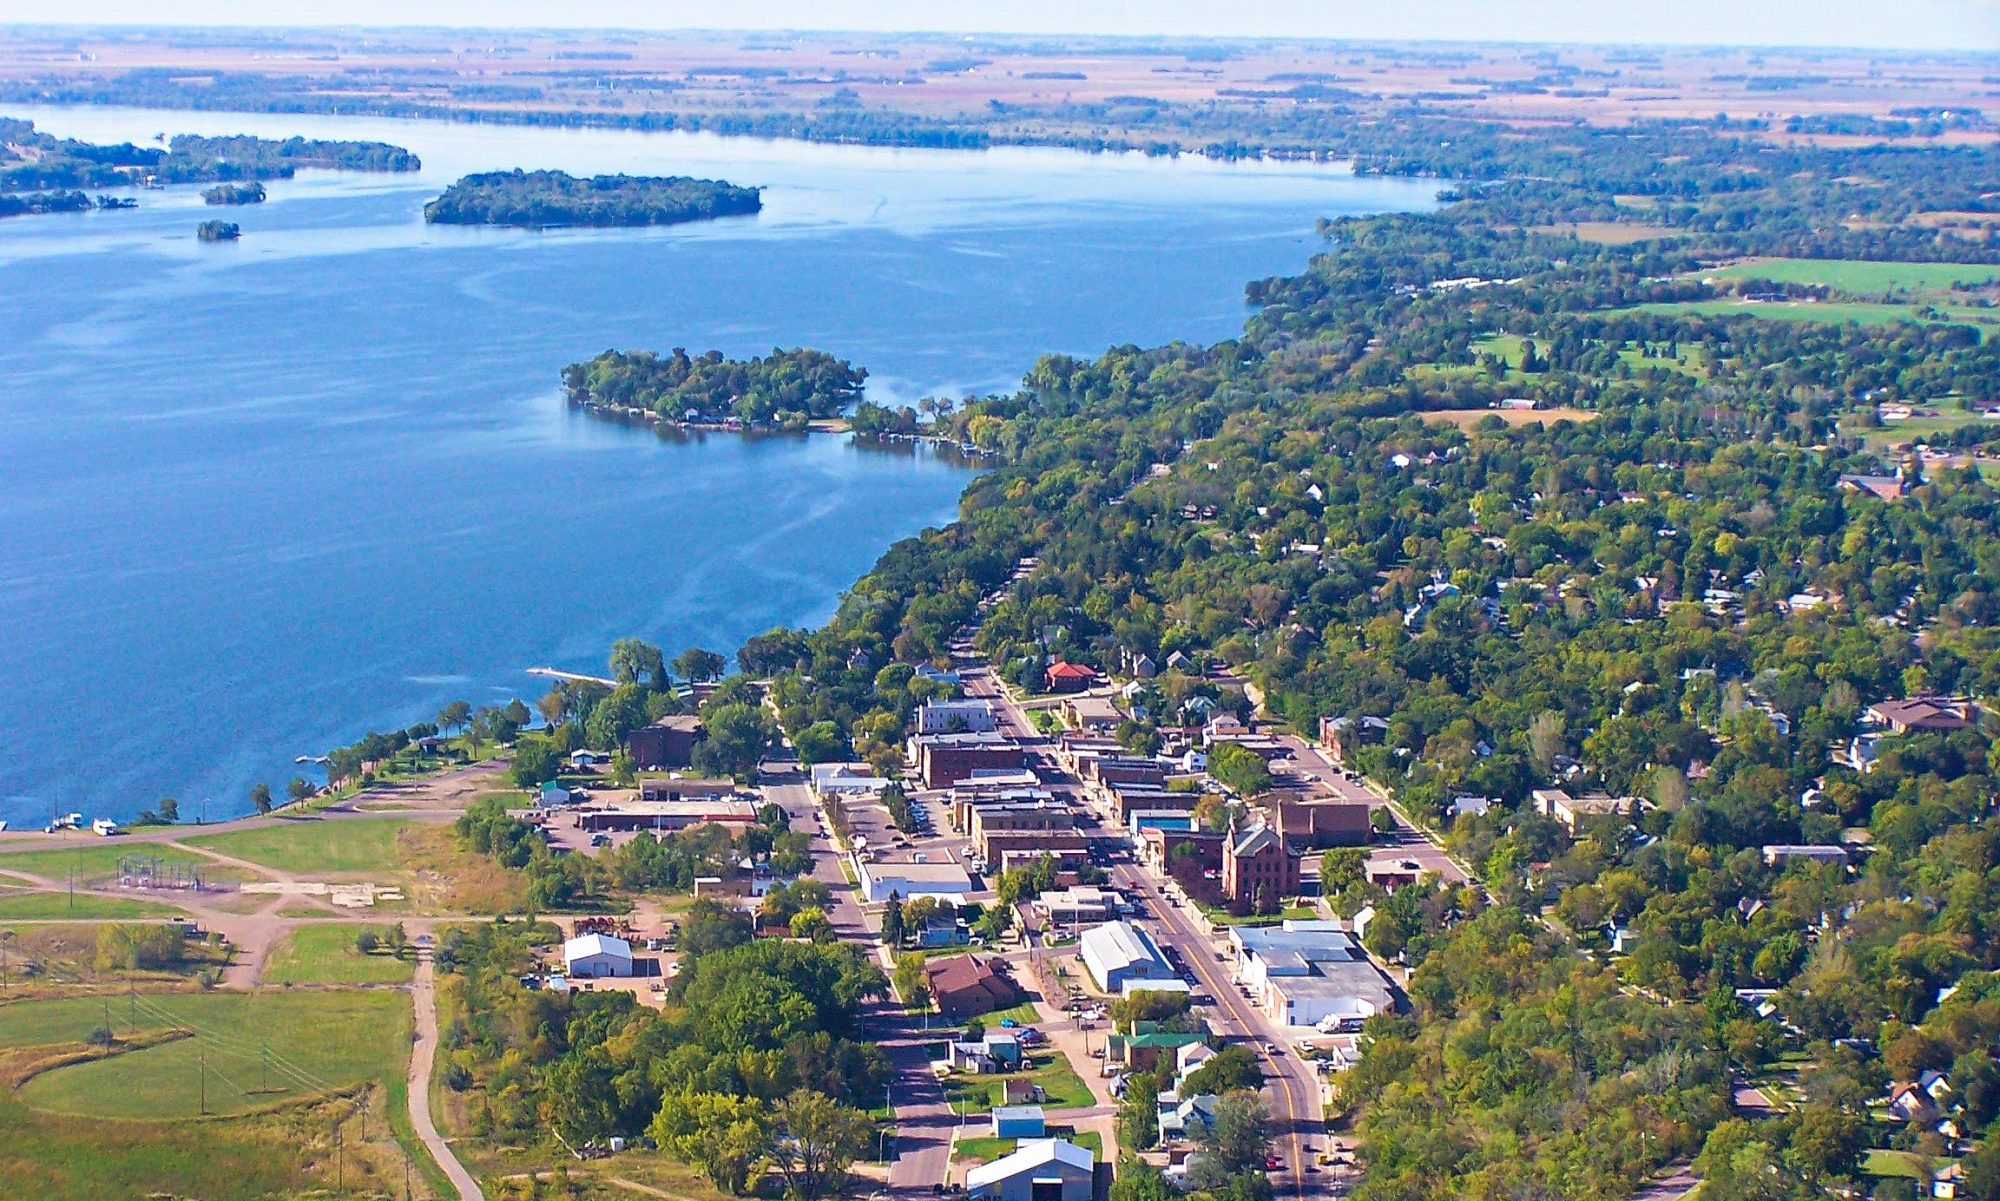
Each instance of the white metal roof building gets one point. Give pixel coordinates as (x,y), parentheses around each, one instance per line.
(594,956)
(1049,1169)
(1117,952)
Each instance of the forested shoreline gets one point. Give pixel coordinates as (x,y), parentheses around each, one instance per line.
(45,162)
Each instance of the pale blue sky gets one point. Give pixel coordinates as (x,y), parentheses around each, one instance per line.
(1912,24)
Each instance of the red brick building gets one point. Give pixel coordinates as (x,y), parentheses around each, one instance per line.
(1256,865)
(1069,677)
(668,742)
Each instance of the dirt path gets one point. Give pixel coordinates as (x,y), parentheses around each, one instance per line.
(423,1054)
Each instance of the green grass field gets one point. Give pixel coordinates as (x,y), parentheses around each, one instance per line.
(1857,277)
(324,845)
(261,1049)
(1061,1086)
(1025,1013)
(90,860)
(325,954)
(1831,312)
(60,906)
(43,1156)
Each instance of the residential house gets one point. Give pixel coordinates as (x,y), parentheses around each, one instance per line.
(964,986)
(1569,810)
(1923,714)
(1777,853)
(1185,1117)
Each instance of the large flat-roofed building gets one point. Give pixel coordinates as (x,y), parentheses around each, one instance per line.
(1095,713)
(1310,973)
(668,742)
(1080,905)
(944,759)
(846,780)
(956,717)
(909,879)
(662,787)
(664,816)
(1119,952)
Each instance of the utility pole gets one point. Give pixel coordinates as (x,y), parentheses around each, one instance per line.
(201,1061)
(132,1007)
(6,936)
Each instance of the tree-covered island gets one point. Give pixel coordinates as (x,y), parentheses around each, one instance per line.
(539,199)
(786,387)
(218,231)
(235,193)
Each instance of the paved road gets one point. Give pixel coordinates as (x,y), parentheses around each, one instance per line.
(423,1053)
(1292,1084)
(924,1120)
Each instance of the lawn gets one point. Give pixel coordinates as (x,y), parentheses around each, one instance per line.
(308,846)
(987,1148)
(1881,1162)
(1856,277)
(91,860)
(60,906)
(260,1049)
(1025,1013)
(326,954)
(1061,1086)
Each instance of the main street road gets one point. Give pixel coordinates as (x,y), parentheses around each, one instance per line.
(1293,1085)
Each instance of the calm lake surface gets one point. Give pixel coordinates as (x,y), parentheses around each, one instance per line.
(256,499)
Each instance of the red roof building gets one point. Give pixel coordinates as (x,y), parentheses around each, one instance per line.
(1070,677)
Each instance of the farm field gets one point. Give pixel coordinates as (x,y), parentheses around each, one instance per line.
(314,846)
(1468,418)
(261,1050)
(1858,277)
(326,954)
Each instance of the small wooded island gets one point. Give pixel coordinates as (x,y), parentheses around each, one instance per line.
(218,231)
(235,193)
(786,388)
(541,199)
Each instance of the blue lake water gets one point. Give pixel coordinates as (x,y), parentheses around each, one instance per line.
(258,498)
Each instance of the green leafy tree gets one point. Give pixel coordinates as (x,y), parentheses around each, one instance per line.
(695,663)
(260,797)
(725,1138)
(820,1140)
(636,661)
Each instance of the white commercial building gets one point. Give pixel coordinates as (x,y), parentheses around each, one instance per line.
(846,780)
(1310,973)
(595,956)
(956,717)
(1119,952)
(909,880)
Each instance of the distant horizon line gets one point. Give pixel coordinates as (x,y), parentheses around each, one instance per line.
(1169,39)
